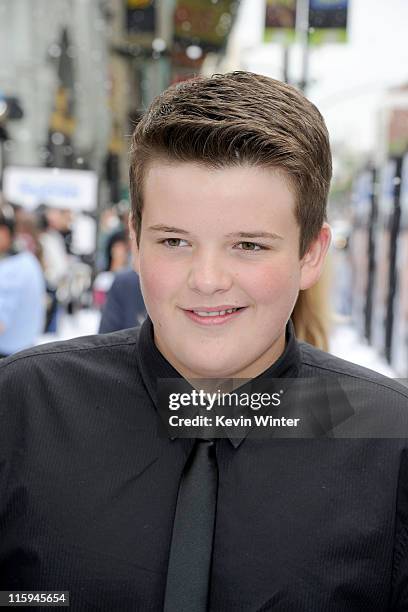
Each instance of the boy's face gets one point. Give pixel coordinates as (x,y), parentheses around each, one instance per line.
(213,240)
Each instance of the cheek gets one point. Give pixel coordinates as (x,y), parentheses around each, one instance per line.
(271,284)
(158,281)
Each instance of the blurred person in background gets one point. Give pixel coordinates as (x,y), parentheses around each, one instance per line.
(118,252)
(342,271)
(118,258)
(311,315)
(22,291)
(55,258)
(65,228)
(109,224)
(124,305)
(26,236)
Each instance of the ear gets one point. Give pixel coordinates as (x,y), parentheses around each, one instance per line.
(311,265)
(133,244)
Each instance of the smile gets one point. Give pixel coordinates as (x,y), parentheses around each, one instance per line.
(204,313)
(214,317)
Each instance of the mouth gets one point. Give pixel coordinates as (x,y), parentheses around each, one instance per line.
(214,316)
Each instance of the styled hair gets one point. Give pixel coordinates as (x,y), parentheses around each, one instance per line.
(234,119)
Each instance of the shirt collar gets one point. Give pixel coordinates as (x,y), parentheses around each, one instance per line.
(153,365)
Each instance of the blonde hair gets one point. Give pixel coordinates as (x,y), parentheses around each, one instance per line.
(311,315)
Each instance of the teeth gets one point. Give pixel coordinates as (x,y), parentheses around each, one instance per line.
(202,313)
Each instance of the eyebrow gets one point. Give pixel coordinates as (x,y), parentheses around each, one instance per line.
(167,228)
(256,234)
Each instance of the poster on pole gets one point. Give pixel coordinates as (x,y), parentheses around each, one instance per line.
(280,21)
(328,21)
(204,23)
(141,21)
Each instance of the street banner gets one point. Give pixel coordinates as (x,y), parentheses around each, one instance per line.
(327,21)
(141,20)
(76,190)
(204,23)
(280,21)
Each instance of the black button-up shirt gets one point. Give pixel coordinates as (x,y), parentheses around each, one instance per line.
(88,488)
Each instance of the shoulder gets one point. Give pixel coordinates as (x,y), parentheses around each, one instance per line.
(20,264)
(315,362)
(29,260)
(85,350)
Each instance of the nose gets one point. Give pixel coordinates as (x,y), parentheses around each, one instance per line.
(209,274)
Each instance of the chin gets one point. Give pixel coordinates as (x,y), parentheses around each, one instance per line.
(212,371)
(206,373)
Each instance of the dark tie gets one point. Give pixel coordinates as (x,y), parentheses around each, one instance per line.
(189,570)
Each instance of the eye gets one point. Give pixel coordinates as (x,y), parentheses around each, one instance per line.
(172,243)
(250,246)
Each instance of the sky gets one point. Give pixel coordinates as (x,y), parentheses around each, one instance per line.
(348,81)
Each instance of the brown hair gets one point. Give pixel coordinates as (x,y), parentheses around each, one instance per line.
(235,119)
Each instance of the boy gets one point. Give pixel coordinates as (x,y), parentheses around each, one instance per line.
(229,180)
